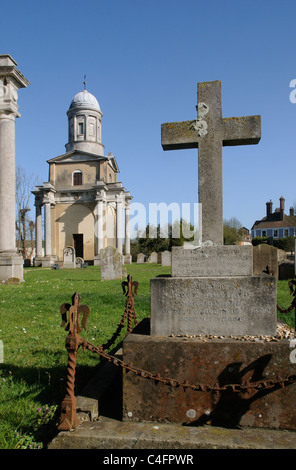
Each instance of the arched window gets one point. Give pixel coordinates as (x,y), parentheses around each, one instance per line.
(77,178)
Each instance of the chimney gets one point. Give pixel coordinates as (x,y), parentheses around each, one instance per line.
(282,207)
(269,208)
(291,211)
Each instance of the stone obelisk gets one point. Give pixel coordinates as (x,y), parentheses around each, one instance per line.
(11,80)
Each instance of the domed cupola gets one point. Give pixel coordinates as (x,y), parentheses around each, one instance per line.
(85,116)
(84,100)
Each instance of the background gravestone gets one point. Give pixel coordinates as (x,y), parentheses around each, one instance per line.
(267,255)
(153,258)
(140,258)
(111,264)
(166,258)
(69,257)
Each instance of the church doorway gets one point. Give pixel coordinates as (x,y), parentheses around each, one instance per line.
(78,244)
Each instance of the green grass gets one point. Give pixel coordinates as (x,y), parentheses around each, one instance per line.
(33,375)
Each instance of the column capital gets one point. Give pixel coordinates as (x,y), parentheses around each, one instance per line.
(100,196)
(11,80)
(119,197)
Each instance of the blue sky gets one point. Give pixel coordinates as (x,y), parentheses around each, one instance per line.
(143,60)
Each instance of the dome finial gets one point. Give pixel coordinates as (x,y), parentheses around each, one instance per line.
(84,83)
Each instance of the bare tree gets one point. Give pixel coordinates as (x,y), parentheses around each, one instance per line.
(24,184)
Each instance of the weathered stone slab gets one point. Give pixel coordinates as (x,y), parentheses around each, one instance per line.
(266,255)
(217,361)
(11,266)
(217,260)
(166,258)
(111,264)
(244,305)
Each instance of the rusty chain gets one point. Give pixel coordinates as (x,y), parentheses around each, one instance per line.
(130,288)
(68,418)
(247,386)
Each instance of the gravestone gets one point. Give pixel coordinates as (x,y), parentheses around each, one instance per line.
(212,289)
(267,258)
(209,133)
(111,264)
(153,258)
(203,313)
(140,258)
(166,258)
(69,257)
(263,256)
(80,262)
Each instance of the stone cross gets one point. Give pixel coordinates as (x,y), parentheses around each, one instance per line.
(209,132)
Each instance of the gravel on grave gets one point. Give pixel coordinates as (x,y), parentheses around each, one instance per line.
(283,331)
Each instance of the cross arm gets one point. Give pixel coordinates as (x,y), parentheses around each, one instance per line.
(241,130)
(179,135)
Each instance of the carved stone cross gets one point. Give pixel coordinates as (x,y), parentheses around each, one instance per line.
(209,133)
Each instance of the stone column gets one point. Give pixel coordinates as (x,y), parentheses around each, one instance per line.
(47,229)
(127,241)
(99,226)
(38,229)
(11,264)
(48,200)
(119,223)
(7,183)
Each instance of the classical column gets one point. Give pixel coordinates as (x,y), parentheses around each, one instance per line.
(38,230)
(11,264)
(119,223)
(47,229)
(7,183)
(99,226)
(127,241)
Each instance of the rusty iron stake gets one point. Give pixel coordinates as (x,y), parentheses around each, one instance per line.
(130,288)
(68,419)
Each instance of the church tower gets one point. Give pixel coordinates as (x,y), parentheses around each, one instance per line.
(85,121)
(83,204)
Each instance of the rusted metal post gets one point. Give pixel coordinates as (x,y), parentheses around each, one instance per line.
(68,419)
(130,288)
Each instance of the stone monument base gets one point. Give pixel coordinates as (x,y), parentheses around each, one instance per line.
(11,266)
(97,260)
(45,261)
(127,259)
(111,264)
(238,305)
(201,360)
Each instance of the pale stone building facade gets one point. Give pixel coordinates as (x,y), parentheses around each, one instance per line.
(83,204)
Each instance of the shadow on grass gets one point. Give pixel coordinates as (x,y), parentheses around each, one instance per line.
(46,386)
